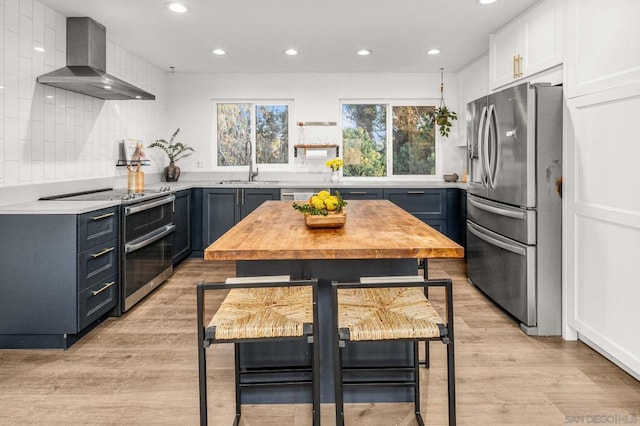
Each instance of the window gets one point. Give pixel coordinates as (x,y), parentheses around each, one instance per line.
(388,139)
(259,128)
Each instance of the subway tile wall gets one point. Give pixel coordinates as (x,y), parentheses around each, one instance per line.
(49,134)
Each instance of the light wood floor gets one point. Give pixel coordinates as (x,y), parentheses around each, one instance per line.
(142,369)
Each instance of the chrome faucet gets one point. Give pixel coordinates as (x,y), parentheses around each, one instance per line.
(252,174)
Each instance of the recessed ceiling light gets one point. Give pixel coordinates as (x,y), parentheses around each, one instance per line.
(291,52)
(433,51)
(39,49)
(138,97)
(485,1)
(219,52)
(364,52)
(178,7)
(107,87)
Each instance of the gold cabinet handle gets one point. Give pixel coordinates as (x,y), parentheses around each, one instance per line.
(103,216)
(520,59)
(104,287)
(515,66)
(105,251)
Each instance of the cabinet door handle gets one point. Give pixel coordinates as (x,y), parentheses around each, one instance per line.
(105,251)
(515,66)
(103,288)
(102,216)
(237,197)
(243,196)
(520,59)
(415,192)
(358,192)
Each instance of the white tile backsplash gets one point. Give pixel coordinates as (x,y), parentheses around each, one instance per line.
(38,22)
(26,8)
(26,36)
(52,135)
(11,51)
(2,26)
(11,138)
(11,15)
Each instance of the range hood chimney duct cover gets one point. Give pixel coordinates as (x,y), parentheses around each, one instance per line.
(86,64)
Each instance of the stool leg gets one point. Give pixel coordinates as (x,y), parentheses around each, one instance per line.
(315,371)
(337,359)
(416,384)
(202,359)
(425,273)
(451,381)
(236,351)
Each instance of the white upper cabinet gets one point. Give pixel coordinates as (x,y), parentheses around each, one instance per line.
(604,51)
(530,44)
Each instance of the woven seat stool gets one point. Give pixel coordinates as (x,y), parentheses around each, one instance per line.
(260,309)
(379,309)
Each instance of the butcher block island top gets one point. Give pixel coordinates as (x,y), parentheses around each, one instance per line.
(375,229)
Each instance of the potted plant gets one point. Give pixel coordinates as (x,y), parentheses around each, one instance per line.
(443,115)
(175,151)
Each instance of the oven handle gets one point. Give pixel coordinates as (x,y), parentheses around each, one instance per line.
(146,206)
(149,238)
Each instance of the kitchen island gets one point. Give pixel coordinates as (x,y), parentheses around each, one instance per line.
(378,239)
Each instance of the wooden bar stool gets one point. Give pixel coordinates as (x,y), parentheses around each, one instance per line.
(260,309)
(391,309)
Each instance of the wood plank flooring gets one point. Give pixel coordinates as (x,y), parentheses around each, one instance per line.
(141,369)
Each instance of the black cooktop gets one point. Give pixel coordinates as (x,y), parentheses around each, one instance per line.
(108,194)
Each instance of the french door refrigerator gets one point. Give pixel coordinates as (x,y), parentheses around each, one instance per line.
(514,142)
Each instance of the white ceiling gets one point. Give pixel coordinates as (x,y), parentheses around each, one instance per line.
(327,33)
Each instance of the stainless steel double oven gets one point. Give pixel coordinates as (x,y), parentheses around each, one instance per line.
(147,236)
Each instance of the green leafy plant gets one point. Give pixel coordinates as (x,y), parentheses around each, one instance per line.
(444,117)
(175,151)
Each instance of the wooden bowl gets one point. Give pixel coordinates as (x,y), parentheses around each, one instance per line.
(332,220)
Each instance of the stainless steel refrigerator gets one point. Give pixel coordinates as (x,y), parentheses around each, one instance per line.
(514,209)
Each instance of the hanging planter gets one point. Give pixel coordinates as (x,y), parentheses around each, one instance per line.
(442,114)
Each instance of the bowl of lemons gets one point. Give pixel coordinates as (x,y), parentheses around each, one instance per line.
(323,210)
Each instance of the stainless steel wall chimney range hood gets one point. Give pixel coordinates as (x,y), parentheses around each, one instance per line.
(86,64)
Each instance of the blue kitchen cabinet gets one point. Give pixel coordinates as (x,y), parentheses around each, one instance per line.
(437,207)
(182,222)
(359,193)
(224,207)
(59,276)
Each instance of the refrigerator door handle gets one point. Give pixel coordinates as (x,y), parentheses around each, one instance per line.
(481,148)
(494,152)
(487,140)
(497,210)
(494,241)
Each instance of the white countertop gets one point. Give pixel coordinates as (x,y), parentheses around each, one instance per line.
(79,207)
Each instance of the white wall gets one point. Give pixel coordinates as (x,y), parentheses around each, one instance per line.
(316,97)
(50,135)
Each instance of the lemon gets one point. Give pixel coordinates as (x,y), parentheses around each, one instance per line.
(318,203)
(324,195)
(331,203)
(312,200)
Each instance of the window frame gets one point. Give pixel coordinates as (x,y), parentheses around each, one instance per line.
(390,103)
(254,102)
